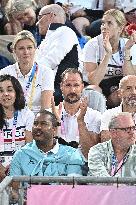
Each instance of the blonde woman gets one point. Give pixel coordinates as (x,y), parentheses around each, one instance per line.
(37,81)
(109,56)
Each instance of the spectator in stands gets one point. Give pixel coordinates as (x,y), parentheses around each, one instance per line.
(15,120)
(127,93)
(94,29)
(68,132)
(60,49)
(115,4)
(37,81)
(108,56)
(42,3)
(93,9)
(44,156)
(22,15)
(2,16)
(130,10)
(80,24)
(115,157)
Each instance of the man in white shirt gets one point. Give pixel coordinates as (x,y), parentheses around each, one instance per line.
(69,130)
(60,48)
(127,92)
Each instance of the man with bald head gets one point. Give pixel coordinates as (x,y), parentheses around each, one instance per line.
(60,48)
(116,157)
(127,93)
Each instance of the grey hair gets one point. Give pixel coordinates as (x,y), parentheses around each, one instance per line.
(125,79)
(56,9)
(115,122)
(14,6)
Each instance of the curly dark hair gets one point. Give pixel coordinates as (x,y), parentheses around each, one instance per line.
(20,98)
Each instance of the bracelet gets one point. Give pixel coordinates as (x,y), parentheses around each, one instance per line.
(129,58)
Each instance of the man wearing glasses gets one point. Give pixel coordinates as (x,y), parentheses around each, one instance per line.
(60,48)
(127,93)
(117,156)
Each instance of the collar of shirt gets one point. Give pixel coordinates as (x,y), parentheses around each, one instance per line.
(112,150)
(18,71)
(65,114)
(54,150)
(54,26)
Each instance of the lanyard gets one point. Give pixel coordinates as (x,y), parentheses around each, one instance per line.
(114,169)
(33,85)
(32,79)
(121,56)
(65,123)
(13,134)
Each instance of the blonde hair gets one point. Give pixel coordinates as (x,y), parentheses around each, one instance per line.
(118,16)
(22,36)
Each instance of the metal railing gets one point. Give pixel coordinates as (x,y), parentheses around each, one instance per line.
(4,185)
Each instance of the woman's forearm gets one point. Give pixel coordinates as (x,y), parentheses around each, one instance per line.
(97,76)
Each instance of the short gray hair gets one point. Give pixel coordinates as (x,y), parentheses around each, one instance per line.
(114,122)
(125,79)
(56,9)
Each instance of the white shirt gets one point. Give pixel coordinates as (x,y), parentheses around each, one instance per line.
(107,115)
(94,52)
(55,46)
(25,121)
(44,81)
(69,126)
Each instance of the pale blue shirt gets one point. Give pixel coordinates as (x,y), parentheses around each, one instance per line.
(62,160)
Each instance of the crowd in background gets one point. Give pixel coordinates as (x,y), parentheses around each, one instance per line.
(69,92)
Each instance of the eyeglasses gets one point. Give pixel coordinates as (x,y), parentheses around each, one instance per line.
(127,129)
(40,16)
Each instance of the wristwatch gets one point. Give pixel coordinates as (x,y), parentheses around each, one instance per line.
(128,58)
